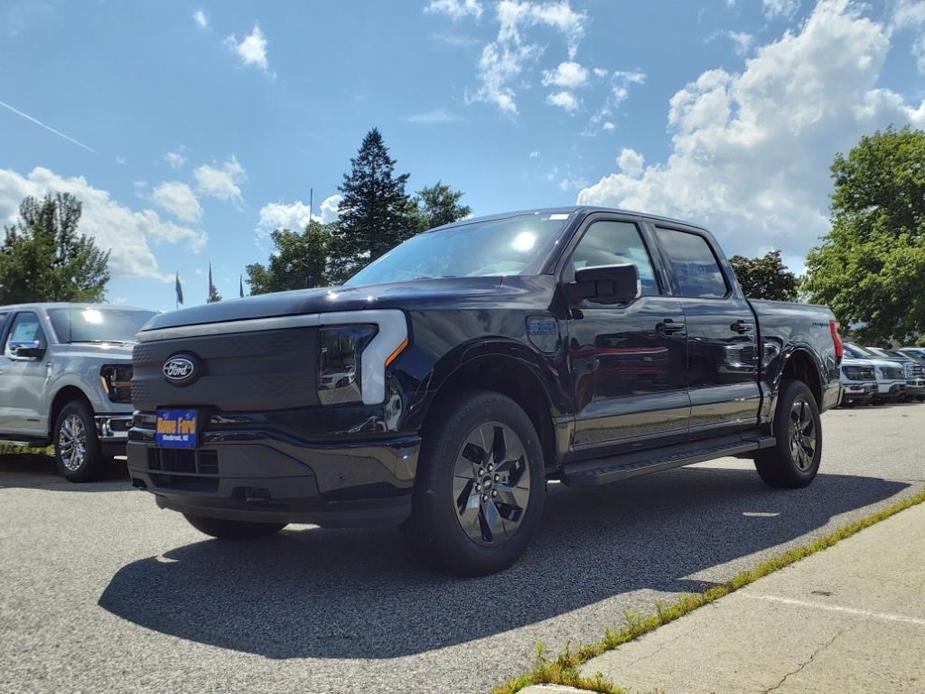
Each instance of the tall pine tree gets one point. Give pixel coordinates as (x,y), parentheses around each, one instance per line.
(375,214)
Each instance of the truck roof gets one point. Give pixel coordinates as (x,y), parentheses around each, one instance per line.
(570,210)
(67,304)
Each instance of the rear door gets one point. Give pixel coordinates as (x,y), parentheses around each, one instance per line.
(22,379)
(627,361)
(722,334)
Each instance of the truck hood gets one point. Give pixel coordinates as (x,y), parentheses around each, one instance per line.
(114,351)
(535,292)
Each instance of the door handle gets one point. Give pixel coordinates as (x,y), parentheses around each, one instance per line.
(669,326)
(742,326)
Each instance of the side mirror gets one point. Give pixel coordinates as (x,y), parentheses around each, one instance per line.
(31,349)
(605,284)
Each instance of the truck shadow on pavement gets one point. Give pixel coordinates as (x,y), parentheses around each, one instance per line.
(357,594)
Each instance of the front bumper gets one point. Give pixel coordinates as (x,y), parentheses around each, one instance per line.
(857,392)
(891,389)
(915,386)
(112,432)
(265,475)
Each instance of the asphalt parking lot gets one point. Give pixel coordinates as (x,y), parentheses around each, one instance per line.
(101,591)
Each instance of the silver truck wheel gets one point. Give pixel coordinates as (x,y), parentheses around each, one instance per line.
(72,438)
(77,449)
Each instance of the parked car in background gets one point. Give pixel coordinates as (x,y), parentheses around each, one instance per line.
(890,374)
(445,383)
(858,381)
(915,371)
(65,379)
(914,352)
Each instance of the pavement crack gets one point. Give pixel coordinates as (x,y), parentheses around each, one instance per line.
(805,663)
(658,650)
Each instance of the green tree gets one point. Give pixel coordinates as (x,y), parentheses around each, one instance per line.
(45,258)
(766,277)
(375,213)
(438,205)
(870,268)
(298,261)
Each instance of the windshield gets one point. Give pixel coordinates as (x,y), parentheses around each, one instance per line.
(510,246)
(97,324)
(857,352)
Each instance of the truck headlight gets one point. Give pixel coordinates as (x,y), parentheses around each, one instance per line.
(354,350)
(340,362)
(117,381)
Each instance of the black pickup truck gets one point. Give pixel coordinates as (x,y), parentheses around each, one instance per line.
(444,384)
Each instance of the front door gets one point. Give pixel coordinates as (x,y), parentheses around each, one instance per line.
(722,336)
(22,380)
(626,360)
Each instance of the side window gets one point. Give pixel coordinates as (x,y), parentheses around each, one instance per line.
(616,243)
(25,328)
(695,268)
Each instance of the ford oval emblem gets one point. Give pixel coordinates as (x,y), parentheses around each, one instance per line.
(181,369)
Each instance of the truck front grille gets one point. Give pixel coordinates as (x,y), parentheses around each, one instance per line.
(238,372)
(184,462)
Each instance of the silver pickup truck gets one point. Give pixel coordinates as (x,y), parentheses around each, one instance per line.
(65,379)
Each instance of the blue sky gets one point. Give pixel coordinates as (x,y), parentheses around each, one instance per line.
(190,130)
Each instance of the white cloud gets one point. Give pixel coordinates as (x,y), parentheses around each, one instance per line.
(741,41)
(438,115)
(252,49)
(751,150)
(564,100)
(221,181)
(175,159)
(127,233)
(535,154)
(200,18)
(178,199)
(630,162)
(502,61)
(784,9)
(295,215)
(561,16)
(329,208)
(621,82)
(918,50)
(568,75)
(455,9)
(910,14)
(276,215)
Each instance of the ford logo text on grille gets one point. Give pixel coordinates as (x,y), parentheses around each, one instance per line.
(180,369)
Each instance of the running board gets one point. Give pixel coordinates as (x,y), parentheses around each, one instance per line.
(599,471)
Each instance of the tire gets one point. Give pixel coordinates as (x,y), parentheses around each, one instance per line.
(78,456)
(794,459)
(232,529)
(473,514)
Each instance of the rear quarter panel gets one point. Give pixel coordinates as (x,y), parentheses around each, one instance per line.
(786,328)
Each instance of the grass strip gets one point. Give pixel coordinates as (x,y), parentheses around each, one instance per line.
(565,669)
